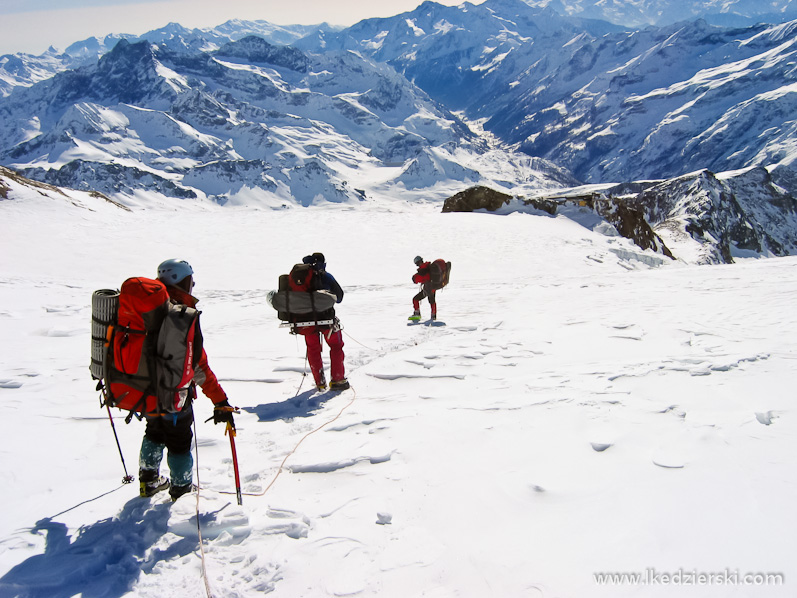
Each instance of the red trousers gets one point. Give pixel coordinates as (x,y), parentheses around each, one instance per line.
(312,338)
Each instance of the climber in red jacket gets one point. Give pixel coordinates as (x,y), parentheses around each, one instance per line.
(423,277)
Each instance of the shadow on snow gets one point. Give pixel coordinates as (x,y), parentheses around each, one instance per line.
(103,560)
(302,405)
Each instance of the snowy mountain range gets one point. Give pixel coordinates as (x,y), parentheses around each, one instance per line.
(247,119)
(608,104)
(432,101)
(25,69)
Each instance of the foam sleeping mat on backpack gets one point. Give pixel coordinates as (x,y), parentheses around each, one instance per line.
(299,302)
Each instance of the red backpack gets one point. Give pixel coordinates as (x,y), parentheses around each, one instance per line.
(301,278)
(151,350)
(439,271)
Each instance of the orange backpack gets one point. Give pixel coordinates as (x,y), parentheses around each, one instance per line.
(151,350)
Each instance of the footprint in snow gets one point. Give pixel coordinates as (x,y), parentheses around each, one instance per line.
(599,447)
(765,417)
(669,458)
(628,332)
(229,521)
(332,466)
(384,518)
(60,332)
(397,376)
(275,513)
(293,524)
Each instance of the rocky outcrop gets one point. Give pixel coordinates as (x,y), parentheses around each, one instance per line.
(724,215)
(476,198)
(702,217)
(628,220)
(108,179)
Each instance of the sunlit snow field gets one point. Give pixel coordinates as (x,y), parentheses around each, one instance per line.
(578,410)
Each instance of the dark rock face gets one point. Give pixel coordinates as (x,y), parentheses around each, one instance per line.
(257,50)
(630,223)
(476,198)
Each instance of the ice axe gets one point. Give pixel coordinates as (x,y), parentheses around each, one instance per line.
(230,431)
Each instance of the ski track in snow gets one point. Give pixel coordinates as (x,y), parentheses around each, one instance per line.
(580,417)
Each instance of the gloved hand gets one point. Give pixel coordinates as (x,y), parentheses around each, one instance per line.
(414,278)
(222,413)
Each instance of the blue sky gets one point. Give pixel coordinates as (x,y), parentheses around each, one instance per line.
(17,6)
(33,25)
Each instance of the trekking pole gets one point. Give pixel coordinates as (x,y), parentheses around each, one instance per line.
(230,430)
(128,478)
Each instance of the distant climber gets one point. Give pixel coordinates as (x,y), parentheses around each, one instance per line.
(309,277)
(432,276)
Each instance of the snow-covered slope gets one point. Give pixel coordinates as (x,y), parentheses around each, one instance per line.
(579,413)
(18,189)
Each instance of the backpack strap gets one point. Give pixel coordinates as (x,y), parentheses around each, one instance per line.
(138,410)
